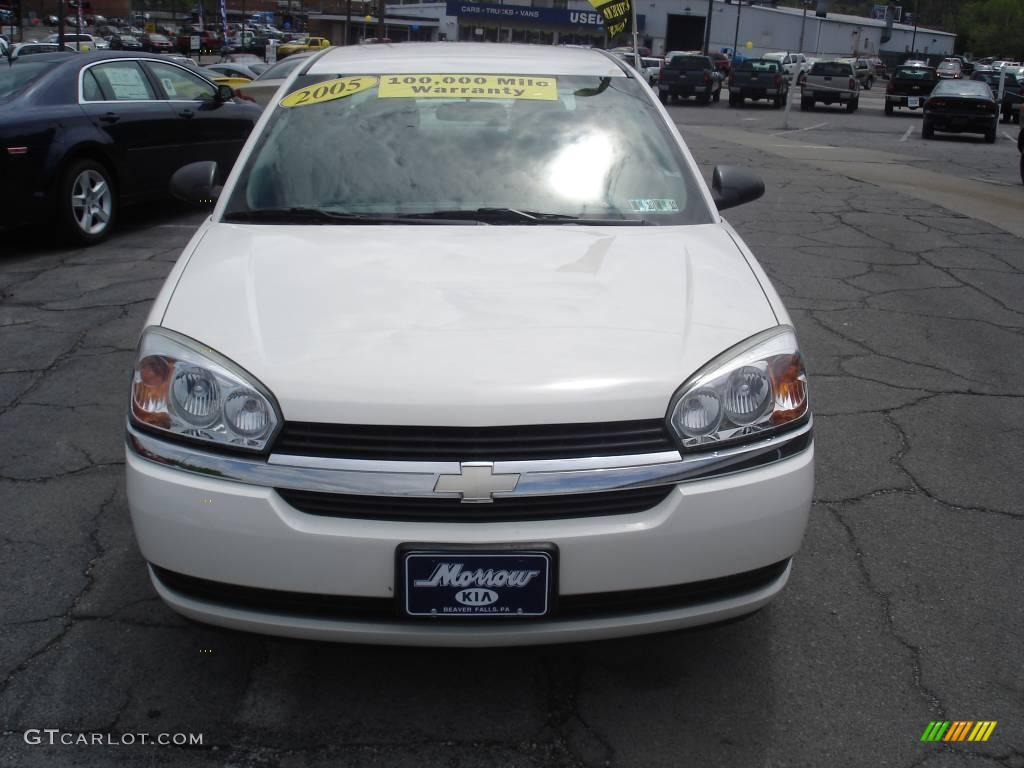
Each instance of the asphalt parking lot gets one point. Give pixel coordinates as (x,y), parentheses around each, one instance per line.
(902,263)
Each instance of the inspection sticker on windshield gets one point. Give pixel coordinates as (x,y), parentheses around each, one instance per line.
(468,87)
(654,205)
(328,90)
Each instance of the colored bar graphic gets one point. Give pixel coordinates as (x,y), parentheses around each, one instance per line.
(958,730)
(935,730)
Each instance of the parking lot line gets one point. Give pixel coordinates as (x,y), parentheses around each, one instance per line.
(1008,137)
(906,135)
(798,130)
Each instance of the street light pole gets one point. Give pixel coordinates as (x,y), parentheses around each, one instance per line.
(803,22)
(736,37)
(636,51)
(707,29)
(913,39)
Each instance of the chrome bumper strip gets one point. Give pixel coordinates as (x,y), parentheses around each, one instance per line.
(412,478)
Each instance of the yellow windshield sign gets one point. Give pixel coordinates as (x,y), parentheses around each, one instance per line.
(328,90)
(468,87)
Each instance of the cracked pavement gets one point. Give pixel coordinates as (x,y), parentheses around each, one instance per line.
(904,606)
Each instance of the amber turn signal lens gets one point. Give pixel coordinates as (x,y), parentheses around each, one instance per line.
(150,385)
(789,382)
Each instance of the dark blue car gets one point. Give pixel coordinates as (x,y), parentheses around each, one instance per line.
(82,135)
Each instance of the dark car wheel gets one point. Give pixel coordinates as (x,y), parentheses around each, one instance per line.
(704,100)
(851,106)
(87,203)
(806,105)
(990,135)
(927,131)
(777,102)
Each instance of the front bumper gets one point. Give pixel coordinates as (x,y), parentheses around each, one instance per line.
(194,523)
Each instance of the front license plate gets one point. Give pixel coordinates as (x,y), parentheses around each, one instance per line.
(913,102)
(471,581)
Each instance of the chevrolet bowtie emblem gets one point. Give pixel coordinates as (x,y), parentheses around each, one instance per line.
(476,482)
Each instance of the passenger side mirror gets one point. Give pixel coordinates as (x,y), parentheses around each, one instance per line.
(732,186)
(224,93)
(196,184)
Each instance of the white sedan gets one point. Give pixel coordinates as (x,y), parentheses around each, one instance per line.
(466,355)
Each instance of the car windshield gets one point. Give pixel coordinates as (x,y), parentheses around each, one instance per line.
(14,78)
(831,69)
(690,62)
(282,69)
(913,73)
(515,150)
(971,88)
(759,66)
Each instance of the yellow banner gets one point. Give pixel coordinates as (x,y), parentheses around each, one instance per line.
(328,90)
(468,87)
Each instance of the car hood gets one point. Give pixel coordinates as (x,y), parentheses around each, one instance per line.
(468,325)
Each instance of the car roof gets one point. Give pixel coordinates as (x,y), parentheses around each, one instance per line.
(468,58)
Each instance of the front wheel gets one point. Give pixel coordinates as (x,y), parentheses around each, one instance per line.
(87,206)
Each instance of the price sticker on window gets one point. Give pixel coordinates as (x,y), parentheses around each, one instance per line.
(328,90)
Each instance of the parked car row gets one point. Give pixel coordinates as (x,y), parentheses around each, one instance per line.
(86,133)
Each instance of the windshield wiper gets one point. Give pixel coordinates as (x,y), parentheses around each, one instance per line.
(296,215)
(519,216)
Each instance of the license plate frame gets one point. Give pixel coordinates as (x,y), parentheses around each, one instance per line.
(462,570)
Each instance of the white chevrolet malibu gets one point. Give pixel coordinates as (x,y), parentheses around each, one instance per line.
(466,355)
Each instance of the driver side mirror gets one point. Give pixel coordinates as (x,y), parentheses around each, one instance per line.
(196,184)
(732,186)
(224,93)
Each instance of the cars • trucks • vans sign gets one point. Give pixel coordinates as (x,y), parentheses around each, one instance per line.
(508,13)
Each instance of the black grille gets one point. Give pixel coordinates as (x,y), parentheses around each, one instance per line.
(452,510)
(543,441)
(344,607)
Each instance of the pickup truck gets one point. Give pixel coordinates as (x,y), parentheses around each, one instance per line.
(1010,105)
(689,75)
(302,44)
(758,79)
(830,82)
(909,87)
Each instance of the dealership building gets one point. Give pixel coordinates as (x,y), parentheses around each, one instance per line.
(663,25)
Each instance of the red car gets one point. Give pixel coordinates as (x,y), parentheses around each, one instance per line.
(722,62)
(155,43)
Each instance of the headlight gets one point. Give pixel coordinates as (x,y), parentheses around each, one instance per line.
(756,387)
(183,388)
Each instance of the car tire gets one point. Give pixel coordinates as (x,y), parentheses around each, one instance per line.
(851,106)
(990,135)
(733,100)
(87,202)
(777,102)
(704,100)
(870,82)
(718,96)
(888,108)
(927,131)
(806,105)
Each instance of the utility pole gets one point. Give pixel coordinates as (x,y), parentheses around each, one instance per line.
(803,22)
(380,19)
(736,37)
(636,51)
(913,39)
(707,28)
(348,19)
